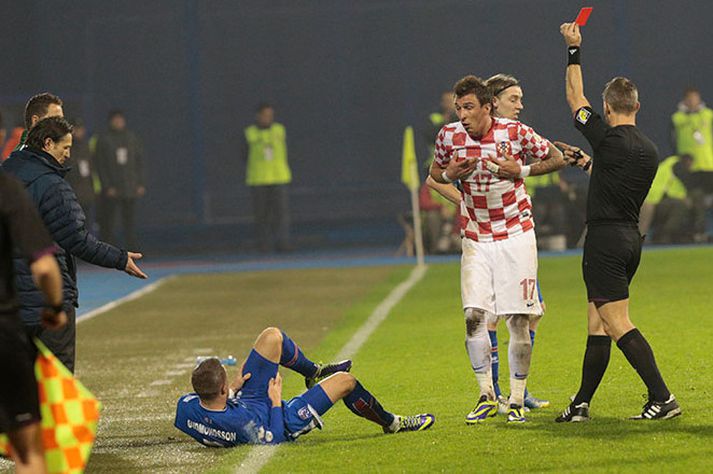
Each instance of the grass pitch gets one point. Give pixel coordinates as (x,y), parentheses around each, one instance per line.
(415,362)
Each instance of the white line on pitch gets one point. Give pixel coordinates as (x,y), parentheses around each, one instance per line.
(259,456)
(125,299)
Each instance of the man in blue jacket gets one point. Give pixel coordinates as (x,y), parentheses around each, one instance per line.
(40,167)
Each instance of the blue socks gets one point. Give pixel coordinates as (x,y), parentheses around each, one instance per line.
(362,403)
(293,358)
(494,361)
(532,342)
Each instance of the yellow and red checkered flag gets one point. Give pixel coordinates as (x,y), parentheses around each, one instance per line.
(70,415)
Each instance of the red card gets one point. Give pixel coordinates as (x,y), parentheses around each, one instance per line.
(583,16)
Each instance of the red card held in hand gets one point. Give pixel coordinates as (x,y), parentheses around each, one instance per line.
(583,16)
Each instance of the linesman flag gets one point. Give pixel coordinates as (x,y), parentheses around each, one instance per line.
(70,415)
(409,167)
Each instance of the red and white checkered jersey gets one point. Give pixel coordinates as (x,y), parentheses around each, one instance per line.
(492,208)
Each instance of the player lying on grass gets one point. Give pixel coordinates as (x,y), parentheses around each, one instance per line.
(252,410)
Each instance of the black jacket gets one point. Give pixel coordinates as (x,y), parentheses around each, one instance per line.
(61,213)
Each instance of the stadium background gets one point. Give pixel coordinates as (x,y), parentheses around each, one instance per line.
(345,78)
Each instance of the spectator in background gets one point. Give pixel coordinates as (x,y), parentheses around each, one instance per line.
(268,174)
(693,135)
(39,166)
(439,212)
(119,164)
(436,120)
(81,172)
(667,205)
(13,141)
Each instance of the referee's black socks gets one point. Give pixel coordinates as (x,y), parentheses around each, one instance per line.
(596,360)
(639,354)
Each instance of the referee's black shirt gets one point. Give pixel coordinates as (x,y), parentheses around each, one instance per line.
(22,228)
(625,163)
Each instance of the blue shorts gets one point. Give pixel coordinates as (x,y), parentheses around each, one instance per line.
(300,413)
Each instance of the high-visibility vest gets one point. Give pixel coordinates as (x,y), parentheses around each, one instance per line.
(267,156)
(666,183)
(694,136)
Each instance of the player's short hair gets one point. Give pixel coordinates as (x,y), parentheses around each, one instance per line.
(55,128)
(38,105)
(622,95)
(473,85)
(499,82)
(207,378)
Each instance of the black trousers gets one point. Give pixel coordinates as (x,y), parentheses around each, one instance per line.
(61,342)
(19,404)
(272,217)
(108,211)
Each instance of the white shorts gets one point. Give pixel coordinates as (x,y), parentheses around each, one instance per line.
(501,277)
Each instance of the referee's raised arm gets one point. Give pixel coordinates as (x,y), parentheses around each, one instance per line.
(574,85)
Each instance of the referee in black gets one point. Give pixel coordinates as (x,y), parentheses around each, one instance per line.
(622,170)
(21,229)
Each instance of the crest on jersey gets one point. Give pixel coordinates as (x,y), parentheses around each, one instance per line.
(504,147)
(304,413)
(583,115)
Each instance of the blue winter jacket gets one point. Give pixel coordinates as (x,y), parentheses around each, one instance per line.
(64,218)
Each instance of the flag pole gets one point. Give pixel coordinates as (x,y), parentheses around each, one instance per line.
(416,211)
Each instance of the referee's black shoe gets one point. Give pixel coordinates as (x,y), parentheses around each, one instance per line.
(325,370)
(574,413)
(659,410)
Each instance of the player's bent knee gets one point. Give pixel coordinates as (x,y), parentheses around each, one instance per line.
(475,321)
(271,335)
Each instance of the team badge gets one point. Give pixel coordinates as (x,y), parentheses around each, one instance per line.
(304,413)
(583,115)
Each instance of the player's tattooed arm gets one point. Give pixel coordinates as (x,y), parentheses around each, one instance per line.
(448,191)
(554,162)
(574,84)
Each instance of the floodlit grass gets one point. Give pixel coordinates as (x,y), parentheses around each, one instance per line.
(415,362)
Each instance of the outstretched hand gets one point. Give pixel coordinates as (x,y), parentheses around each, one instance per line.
(133,269)
(573,155)
(571,33)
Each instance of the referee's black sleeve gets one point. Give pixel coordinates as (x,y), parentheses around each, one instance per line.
(592,125)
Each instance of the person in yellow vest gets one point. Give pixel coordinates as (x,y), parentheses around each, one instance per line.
(439,214)
(693,135)
(268,174)
(667,207)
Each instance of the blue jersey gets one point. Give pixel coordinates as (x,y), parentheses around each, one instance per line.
(238,423)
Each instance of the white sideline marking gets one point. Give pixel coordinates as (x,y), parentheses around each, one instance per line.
(125,299)
(259,456)
(161,382)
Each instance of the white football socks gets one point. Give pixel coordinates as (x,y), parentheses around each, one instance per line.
(519,356)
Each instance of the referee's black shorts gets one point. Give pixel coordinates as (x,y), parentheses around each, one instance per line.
(19,404)
(612,253)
